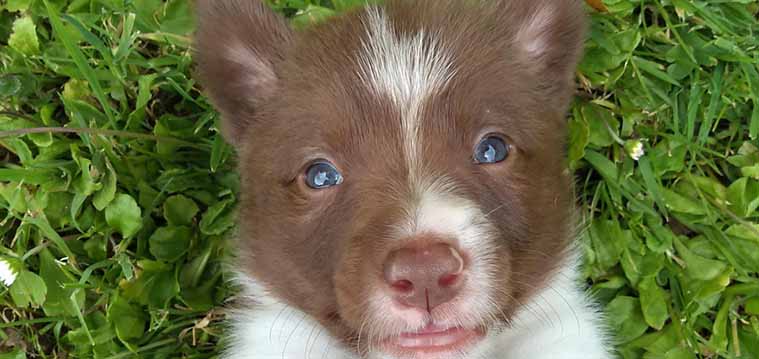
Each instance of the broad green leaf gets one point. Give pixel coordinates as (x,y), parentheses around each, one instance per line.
(58,300)
(178,18)
(603,165)
(653,69)
(18,5)
(579,138)
(128,320)
(697,266)
(96,248)
(626,318)
(102,332)
(751,172)
(15,196)
(608,242)
(660,342)
(744,231)
(632,265)
(13,354)
(145,84)
(680,203)
(679,353)
(199,298)
(155,286)
(748,338)
(311,15)
(179,210)
(24,37)
(147,14)
(170,243)
(87,182)
(194,269)
(124,215)
(43,139)
(218,218)
(653,301)
(743,196)
(75,89)
(752,306)
(9,86)
(28,290)
(658,237)
(710,186)
(602,124)
(636,265)
(108,190)
(744,251)
(126,267)
(169,125)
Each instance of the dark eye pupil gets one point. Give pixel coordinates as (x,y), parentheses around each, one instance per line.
(323,175)
(491,150)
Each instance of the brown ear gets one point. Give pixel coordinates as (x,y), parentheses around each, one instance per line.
(550,36)
(238,45)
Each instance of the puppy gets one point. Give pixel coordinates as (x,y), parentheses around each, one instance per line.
(405,193)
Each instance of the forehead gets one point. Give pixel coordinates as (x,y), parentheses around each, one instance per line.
(382,73)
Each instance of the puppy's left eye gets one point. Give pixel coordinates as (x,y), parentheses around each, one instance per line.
(491,149)
(322,174)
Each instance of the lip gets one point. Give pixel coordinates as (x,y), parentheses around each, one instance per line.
(433,341)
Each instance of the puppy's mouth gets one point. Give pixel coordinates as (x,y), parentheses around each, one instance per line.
(433,342)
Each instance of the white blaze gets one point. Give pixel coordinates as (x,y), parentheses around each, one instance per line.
(407,69)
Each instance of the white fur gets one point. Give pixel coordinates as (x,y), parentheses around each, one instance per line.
(434,210)
(406,69)
(559,323)
(270,329)
(280,332)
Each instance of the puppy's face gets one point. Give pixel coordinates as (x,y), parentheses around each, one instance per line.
(403,166)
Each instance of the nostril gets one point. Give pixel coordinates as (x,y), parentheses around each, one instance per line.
(403,286)
(448,280)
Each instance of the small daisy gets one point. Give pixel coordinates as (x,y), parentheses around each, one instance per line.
(635,149)
(8,271)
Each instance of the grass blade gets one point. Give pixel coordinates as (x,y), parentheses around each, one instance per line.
(81,63)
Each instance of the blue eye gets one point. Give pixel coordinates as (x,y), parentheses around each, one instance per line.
(491,149)
(323,175)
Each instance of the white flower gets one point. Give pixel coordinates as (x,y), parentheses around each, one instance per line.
(8,272)
(635,149)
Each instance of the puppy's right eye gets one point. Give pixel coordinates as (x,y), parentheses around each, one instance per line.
(491,149)
(323,174)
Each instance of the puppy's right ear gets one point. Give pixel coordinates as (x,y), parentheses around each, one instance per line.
(238,46)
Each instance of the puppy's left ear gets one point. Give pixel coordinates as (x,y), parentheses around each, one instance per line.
(550,36)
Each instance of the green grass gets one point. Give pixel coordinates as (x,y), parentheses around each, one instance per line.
(116,190)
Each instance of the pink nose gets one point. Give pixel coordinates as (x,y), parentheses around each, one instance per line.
(425,277)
